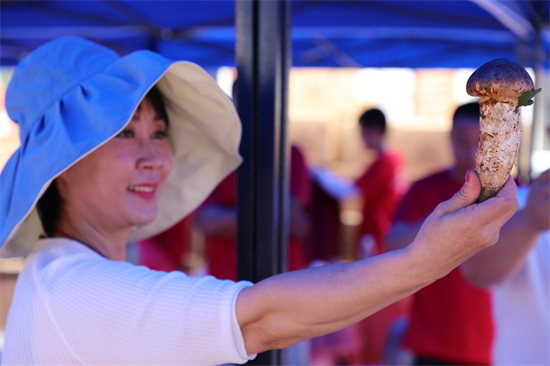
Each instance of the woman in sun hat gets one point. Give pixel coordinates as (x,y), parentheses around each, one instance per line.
(120,148)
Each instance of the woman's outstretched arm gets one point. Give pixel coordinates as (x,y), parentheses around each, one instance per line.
(294,306)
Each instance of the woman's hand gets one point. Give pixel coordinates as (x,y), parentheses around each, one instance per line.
(294,306)
(459,228)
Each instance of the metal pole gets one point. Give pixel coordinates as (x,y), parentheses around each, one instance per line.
(537,127)
(262,57)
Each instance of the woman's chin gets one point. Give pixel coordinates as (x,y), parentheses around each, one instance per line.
(144,218)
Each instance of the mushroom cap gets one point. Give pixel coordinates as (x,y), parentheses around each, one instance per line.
(500,78)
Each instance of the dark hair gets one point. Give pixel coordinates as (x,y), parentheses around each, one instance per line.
(373,118)
(49,209)
(157,100)
(467,111)
(49,206)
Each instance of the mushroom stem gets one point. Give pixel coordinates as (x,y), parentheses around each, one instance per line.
(498,144)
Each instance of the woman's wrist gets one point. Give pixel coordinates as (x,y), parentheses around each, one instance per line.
(424,266)
(405,271)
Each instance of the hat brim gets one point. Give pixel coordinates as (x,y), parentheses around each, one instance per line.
(204,138)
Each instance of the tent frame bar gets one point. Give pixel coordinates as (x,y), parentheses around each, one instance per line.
(263,61)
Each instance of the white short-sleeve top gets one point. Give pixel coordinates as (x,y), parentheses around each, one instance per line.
(73,306)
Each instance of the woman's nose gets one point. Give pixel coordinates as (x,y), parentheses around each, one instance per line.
(150,156)
(149,163)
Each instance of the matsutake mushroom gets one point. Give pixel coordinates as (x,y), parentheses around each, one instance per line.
(502,87)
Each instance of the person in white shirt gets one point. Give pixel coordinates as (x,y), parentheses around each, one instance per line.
(115,149)
(517,270)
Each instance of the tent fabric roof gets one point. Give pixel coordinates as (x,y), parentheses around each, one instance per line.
(417,34)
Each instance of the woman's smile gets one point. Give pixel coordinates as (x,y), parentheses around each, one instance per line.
(146,190)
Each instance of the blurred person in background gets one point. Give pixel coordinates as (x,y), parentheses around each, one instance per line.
(517,270)
(450,321)
(381,188)
(217,219)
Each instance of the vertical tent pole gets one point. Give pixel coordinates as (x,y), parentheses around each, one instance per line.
(538,130)
(262,57)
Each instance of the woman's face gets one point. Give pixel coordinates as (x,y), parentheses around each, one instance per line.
(118,185)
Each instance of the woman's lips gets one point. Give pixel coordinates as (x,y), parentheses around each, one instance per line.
(146,191)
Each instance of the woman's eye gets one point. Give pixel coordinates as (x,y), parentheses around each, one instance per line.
(126,134)
(161,135)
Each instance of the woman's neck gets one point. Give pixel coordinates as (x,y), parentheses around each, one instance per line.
(111,245)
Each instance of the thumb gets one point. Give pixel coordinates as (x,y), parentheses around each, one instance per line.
(467,195)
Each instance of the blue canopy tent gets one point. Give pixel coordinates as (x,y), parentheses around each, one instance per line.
(416,34)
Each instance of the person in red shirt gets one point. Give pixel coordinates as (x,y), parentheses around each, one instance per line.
(451,321)
(381,187)
(216,217)
(383,183)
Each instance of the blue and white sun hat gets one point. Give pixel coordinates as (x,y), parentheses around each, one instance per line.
(71,95)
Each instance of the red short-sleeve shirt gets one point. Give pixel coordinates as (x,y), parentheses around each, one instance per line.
(450,320)
(382,186)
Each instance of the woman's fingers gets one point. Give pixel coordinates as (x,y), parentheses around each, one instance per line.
(499,209)
(496,210)
(467,195)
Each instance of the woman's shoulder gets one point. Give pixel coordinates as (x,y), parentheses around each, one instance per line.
(58,264)
(53,257)
(47,250)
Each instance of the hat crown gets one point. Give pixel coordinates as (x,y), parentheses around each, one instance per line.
(50,71)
